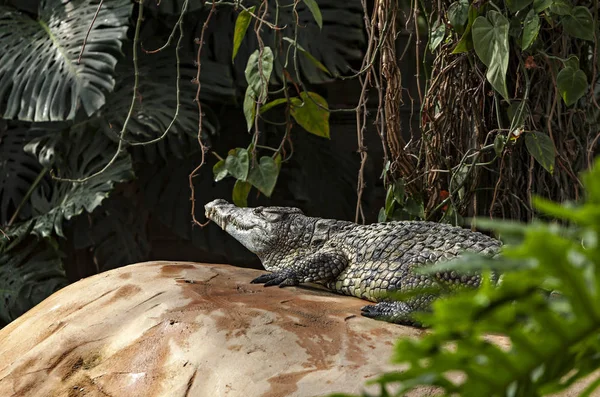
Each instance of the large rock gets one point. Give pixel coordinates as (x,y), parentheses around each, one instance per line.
(187,329)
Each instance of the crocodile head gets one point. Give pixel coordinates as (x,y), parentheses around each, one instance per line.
(259,229)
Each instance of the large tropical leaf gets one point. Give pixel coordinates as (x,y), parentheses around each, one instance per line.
(84,152)
(30,271)
(18,170)
(116,233)
(156,102)
(337,44)
(40,79)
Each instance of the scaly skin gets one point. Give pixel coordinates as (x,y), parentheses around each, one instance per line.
(366,261)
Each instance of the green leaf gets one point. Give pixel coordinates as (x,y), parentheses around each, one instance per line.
(241,26)
(531,28)
(240,192)
(399,191)
(499,143)
(561,7)
(572,61)
(579,23)
(238,163)
(30,271)
(308,55)
(517,5)
(540,146)
(541,5)
(264,175)
(466,41)
(272,104)
(85,151)
(572,84)
(18,170)
(258,72)
(436,36)
(249,107)
(220,170)
(517,112)
(458,15)
(40,79)
(315,11)
(490,39)
(312,117)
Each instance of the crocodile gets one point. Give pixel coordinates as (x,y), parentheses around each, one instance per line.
(366,261)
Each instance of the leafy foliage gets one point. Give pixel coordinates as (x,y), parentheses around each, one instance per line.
(82,155)
(18,170)
(553,341)
(335,45)
(40,79)
(30,270)
(157,103)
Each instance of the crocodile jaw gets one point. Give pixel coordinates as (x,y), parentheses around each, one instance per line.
(240,223)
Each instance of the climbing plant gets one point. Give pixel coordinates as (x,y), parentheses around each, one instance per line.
(100,100)
(509,109)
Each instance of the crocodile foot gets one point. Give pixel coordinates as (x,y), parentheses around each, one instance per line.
(282,279)
(393,312)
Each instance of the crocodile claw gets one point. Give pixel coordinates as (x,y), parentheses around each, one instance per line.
(280,279)
(394,312)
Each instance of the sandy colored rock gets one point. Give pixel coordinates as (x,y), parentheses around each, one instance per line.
(186,329)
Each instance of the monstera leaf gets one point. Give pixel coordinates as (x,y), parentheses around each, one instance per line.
(40,79)
(87,152)
(116,232)
(156,102)
(18,170)
(30,271)
(337,44)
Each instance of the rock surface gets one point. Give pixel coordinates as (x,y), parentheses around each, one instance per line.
(187,329)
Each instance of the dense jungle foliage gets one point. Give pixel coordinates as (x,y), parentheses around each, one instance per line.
(112,115)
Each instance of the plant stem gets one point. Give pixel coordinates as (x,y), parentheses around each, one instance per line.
(27,195)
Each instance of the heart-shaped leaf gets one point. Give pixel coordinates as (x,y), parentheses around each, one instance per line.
(541,5)
(458,15)
(517,5)
(579,23)
(466,41)
(436,36)
(264,175)
(240,192)
(572,84)
(490,39)
(238,163)
(40,79)
(312,113)
(258,72)
(540,146)
(531,28)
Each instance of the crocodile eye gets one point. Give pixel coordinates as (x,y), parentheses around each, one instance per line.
(258,210)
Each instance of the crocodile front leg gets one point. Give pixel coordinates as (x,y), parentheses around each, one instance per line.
(318,267)
(399,312)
